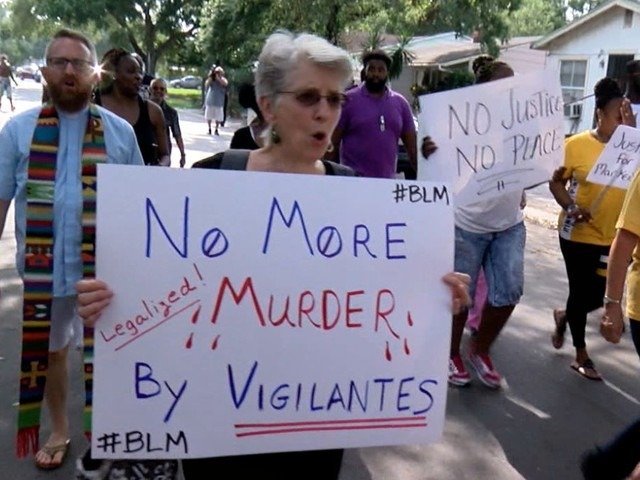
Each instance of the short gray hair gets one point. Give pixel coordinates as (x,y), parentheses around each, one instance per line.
(73,35)
(283,50)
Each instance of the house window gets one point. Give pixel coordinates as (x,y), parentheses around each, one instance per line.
(572,80)
(628,19)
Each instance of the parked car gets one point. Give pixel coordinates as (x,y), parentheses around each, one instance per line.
(190,81)
(31,71)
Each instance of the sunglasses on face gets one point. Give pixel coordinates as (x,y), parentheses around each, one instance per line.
(310,97)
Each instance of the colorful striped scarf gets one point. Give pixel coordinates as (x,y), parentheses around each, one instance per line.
(38,268)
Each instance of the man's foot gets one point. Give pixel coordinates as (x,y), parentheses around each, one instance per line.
(458,374)
(52,455)
(482,364)
(560,319)
(216,132)
(209,130)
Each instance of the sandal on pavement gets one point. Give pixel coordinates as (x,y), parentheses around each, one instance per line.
(51,451)
(560,319)
(587,369)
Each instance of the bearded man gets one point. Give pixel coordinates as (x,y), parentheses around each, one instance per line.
(48,161)
(373,119)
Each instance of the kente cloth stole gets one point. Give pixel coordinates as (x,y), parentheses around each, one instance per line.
(38,268)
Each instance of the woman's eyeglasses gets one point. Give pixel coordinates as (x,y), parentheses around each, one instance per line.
(311,96)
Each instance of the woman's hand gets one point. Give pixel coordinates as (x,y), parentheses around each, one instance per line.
(626,112)
(558,174)
(459,285)
(612,323)
(428,147)
(93,296)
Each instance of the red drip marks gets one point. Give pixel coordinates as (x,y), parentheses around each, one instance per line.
(189,343)
(214,344)
(387,352)
(406,347)
(196,315)
(409,319)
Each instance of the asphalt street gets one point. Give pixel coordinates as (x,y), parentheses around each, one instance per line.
(536,427)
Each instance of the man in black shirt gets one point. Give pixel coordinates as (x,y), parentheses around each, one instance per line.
(158,93)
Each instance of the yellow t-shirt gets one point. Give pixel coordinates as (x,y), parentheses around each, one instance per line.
(580,154)
(630,220)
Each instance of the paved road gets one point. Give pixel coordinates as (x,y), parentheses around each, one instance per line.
(535,428)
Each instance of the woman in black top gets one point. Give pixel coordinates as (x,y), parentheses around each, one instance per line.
(249,137)
(118,92)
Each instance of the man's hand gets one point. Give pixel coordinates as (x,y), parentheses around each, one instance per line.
(612,323)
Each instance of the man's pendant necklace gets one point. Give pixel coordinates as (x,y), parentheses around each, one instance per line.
(382,126)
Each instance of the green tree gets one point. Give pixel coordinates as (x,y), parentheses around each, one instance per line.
(537,17)
(235,29)
(152,28)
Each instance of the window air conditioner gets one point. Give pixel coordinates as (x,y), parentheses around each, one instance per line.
(575,110)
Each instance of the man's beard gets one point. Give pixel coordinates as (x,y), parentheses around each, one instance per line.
(375,86)
(70,101)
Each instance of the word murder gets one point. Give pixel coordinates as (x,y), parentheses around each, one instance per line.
(329,241)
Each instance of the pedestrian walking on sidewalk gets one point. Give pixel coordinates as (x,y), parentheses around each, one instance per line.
(48,158)
(586,225)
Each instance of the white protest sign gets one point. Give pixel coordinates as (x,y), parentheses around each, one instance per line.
(262,312)
(495,137)
(619,160)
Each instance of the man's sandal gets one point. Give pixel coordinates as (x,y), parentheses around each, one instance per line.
(52,451)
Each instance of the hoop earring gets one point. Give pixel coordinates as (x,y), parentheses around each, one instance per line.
(275,138)
(330,147)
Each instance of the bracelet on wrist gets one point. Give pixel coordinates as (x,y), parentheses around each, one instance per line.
(571,209)
(606,299)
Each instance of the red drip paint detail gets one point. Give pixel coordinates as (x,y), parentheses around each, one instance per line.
(387,352)
(407,350)
(198,271)
(409,319)
(189,343)
(214,344)
(196,315)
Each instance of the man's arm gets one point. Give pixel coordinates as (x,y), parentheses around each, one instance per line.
(4,208)
(410,144)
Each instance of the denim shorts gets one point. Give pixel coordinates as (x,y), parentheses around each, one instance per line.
(501,255)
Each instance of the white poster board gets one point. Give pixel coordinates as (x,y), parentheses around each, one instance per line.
(262,312)
(495,137)
(618,161)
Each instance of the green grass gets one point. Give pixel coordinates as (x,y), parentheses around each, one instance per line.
(184,98)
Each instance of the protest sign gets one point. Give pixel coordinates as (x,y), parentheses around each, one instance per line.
(619,160)
(262,312)
(495,137)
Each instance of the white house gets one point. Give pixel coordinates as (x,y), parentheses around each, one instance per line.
(593,46)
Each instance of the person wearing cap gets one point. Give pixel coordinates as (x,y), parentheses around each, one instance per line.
(373,119)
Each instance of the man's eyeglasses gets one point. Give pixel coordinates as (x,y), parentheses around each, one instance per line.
(79,65)
(311,96)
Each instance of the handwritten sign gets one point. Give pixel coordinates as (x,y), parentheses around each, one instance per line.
(262,312)
(619,159)
(494,137)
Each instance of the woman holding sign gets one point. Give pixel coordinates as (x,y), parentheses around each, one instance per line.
(299,86)
(587,221)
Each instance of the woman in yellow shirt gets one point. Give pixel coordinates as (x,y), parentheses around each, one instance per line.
(587,222)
